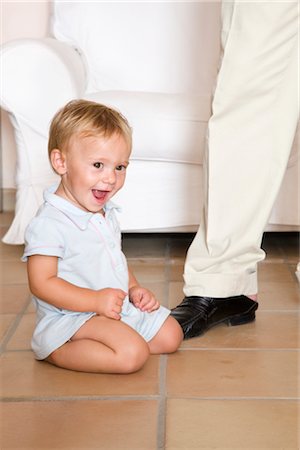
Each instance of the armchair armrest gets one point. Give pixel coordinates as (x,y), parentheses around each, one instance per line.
(38,77)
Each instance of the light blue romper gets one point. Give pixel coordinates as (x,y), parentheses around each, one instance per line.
(88,247)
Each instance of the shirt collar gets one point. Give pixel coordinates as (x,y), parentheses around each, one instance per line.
(76,215)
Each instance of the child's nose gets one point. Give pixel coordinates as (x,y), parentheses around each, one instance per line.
(109,177)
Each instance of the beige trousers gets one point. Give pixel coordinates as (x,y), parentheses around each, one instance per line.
(250,135)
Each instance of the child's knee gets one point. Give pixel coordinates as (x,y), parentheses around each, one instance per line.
(168,338)
(173,341)
(135,357)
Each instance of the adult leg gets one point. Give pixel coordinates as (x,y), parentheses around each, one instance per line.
(102,345)
(250,134)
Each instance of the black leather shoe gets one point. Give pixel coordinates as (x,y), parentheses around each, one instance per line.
(198,314)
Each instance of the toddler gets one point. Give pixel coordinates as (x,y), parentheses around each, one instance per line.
(92,314)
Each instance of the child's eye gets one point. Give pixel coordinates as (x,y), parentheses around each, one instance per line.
(121,167)
(98,165)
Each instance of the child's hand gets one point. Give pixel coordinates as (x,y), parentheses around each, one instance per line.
(110,302)
(143,299)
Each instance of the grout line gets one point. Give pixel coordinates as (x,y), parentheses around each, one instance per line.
(239,399)
(279,311)
(202,349)
(160,442)
(13,327)
(161,416)
(242,349)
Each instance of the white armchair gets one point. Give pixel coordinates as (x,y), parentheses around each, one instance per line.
(30,95)
(161,78)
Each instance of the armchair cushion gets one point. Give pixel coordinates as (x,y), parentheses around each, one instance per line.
(166,127)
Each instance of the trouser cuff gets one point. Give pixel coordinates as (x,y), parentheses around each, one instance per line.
(219,285)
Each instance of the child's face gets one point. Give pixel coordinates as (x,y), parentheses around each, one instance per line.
(94,170)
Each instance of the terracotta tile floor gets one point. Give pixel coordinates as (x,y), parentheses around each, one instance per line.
(233,388)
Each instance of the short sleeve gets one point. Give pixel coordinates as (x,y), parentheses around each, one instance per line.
(43,236)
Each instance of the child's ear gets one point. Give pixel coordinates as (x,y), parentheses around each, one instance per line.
(58,161)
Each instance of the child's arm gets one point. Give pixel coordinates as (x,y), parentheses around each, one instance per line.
(141,297)
(46,285)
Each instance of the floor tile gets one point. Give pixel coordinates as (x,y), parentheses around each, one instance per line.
(6,218)
(226,374)
(271,330)
(279,295)
(108,425)
(152,271)
(13,272)
(11,252)
(232,388)
(25,378)
(14,298)
(6,321)
(175,293)
(268,272)
(176,270)
(20,339)
(252,425)
(272,295)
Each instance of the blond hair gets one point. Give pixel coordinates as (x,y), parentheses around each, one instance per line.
(86,118)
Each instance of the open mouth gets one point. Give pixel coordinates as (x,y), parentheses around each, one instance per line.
(100,195)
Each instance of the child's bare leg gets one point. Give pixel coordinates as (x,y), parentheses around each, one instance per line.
(168,339)
(102,345)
